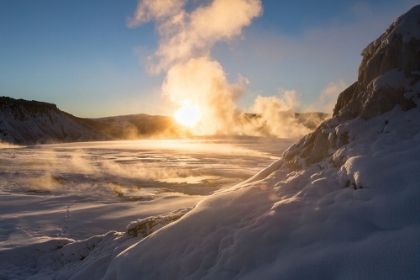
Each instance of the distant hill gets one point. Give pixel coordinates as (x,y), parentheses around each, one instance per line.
(32,122)
(138,126)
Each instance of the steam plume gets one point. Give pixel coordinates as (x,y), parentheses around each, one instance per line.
(186,40)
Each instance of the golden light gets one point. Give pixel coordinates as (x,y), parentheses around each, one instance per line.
(188,115)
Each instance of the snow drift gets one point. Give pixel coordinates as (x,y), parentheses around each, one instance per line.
(342,203)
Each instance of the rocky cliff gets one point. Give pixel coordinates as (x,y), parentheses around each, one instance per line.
(388,77)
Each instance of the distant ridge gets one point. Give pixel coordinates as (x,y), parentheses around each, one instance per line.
(138,126)
(28,122)
(32,122)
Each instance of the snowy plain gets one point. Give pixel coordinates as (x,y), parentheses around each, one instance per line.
(52,195)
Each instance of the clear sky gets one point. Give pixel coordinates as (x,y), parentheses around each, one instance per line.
(82,56)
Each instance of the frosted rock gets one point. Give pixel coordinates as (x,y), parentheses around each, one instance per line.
(388,77)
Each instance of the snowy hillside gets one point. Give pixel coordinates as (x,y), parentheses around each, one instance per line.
(342,203)
(31,122)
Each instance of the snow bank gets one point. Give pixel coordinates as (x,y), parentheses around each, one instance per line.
(360,220)
(341,204)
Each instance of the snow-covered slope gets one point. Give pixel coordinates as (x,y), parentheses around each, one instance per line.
(31,122)
(343,203)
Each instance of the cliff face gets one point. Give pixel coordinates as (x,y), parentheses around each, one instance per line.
(389,77)
(389,69)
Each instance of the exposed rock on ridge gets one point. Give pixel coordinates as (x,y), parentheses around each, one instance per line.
(387,62)
(389,76)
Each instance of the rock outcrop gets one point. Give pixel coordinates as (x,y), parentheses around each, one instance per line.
(389,76)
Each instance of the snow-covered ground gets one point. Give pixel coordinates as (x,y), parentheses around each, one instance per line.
(353,215)
(51,195)
(343,202)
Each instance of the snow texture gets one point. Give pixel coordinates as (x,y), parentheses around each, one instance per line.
(341,203)
(353,215)
(54,198)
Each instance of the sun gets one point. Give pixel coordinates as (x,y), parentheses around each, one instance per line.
(188,115)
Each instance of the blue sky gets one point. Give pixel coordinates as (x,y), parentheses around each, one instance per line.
(81,55)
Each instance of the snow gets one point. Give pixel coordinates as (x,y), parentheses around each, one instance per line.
(407,26)
(353,215)
(348,211)
(394,79)
(360,220)
(370,49)
(67,208)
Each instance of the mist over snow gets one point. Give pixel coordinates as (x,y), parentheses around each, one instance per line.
(58,194)
(342,202)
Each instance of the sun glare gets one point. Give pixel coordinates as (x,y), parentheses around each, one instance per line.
(188,115)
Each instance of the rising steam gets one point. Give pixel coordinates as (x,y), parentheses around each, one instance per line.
(186,40)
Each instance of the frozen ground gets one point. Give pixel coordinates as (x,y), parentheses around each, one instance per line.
(76,191)
(340,203)
(352,215)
